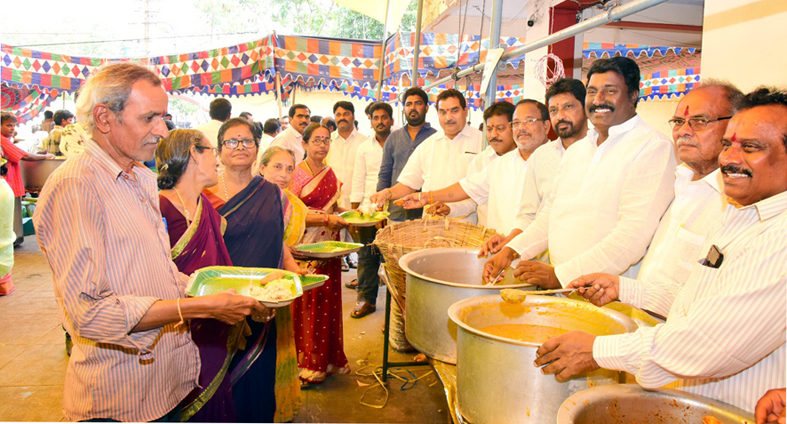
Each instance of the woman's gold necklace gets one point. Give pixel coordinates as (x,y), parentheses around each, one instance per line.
(185,209)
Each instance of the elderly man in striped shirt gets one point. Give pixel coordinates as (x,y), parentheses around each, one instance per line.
(724,337)
(120,295)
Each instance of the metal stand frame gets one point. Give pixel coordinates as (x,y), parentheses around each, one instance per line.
(387,365)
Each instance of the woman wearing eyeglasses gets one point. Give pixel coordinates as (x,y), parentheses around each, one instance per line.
(254,210)
(317,314)
(187,164)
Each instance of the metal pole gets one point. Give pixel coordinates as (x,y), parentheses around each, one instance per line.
(278,92)
(382,54)
(613,15)
(417,49)
(494,41)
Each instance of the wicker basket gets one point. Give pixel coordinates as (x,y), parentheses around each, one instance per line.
(398,239)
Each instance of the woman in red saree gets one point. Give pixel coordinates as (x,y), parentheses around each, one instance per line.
(317,315)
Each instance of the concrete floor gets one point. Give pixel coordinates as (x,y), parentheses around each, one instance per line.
(33,360)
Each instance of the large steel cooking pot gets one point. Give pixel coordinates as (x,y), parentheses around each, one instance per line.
(35,173)
(436,279)
(628,403)
(495,377)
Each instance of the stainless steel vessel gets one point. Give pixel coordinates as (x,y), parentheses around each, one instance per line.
(496,380)
(628,403)
(35,173)
(436,278)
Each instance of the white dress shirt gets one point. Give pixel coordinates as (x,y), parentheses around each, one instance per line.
(498,186)
(367,167)
(725,333)
(293,140)
(439,161)
(265,142)
(539,180)
(211,131)
(606,203)
(471,210)
(696,210)
(341,158)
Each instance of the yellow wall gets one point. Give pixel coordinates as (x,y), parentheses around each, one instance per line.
(743,42)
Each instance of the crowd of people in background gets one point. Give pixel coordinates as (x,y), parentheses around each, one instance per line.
(681,228)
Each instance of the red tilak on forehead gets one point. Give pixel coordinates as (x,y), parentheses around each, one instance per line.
(733,137)
(686,112)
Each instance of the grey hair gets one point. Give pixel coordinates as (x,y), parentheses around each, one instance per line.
(110,86)
(732,93)
(272,151)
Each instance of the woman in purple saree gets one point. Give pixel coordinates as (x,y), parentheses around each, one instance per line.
(186,165)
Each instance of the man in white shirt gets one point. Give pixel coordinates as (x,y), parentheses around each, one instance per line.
(344,144)
(611,189)
(270,129)
(500,183)
(220,111)
(697,129)
(367,167)
(724,337)
(443,158)
(291,135)
(565,101)
(501,141)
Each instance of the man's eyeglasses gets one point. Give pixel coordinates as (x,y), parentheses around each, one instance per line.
(319,141)
(522,123)
(697,124)
(233,143)
(201,149)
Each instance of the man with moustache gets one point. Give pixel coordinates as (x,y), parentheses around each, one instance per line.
(119,294)
(401,144)
(724,337)
(501,141)
(367,167)
(697,128)
(443,158)
(566,106)
(610,191)
(505,176)
(291,135)
(344,145)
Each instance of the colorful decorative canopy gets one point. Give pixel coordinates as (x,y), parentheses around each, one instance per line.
(439,51)
(25,102)
(348,66)
(314,60)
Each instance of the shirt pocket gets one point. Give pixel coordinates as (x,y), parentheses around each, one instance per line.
(684,252)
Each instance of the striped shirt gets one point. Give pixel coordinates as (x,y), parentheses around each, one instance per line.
(104,238)
(725,333)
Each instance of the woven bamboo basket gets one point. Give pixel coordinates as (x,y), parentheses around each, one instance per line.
(398,239)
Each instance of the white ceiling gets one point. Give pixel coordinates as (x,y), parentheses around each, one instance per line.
(465,16)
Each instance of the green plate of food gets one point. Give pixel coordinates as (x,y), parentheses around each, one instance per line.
(360,219)
(312,281)
(274,288)
(328,249)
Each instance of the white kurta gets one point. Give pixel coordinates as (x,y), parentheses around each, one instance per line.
(211,131)
(367,167)
(725,332)
(498,186)
(439,161)
(473,211)
(341,158)
(291,139)
(677,244)
(606,203)
(539,180)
